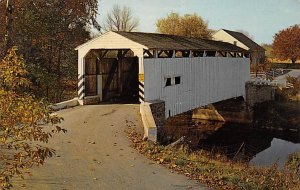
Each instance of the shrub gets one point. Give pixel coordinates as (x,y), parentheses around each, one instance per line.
(21,116)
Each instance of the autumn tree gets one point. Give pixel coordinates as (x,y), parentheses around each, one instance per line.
(286,44)
(8,25)
(120,19)
(46,33)
(190,25)
(22,116)
(269,49)
(2,28)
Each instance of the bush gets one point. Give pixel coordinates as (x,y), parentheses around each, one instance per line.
(20,122)
(293,163)
(296,83)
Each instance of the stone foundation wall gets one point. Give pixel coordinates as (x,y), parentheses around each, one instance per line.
(153,117)
(158,112)
(258,93)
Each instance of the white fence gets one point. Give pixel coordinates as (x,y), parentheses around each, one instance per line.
(203,80)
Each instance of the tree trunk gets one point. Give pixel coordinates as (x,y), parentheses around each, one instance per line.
(9,20)
(48,90)
(59,77)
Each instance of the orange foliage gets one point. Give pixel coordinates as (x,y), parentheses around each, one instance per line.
(286,44)
(20,122)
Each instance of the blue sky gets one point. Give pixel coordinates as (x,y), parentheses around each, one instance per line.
(261,18)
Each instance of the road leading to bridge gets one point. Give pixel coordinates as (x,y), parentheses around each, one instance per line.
(95,154)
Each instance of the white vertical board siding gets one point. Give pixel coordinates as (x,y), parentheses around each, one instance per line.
(204,80)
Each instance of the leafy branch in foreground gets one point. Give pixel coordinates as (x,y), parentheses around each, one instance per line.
(23,122)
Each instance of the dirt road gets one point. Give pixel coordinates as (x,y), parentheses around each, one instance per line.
(95,154)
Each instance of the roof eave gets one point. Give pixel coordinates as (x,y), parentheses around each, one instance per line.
(91,40)
(197,49)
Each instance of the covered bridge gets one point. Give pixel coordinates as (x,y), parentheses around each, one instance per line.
(185,73)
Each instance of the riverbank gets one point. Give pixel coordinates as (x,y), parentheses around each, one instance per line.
(235,154)
(216,171)
(273,129)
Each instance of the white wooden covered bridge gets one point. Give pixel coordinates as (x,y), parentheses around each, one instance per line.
(185,73)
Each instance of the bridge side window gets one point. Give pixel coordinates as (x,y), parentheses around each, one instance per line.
(171,81)
(168,82)
(177,80)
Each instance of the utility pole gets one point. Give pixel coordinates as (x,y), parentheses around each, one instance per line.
(9,20)
(256,61)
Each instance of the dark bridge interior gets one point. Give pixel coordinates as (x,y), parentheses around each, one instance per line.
(112,73)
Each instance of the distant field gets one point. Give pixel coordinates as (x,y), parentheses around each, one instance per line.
(276,64)
(281,62)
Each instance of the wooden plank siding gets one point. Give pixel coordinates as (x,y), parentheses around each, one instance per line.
(109,73)
(91,77)
(204,80)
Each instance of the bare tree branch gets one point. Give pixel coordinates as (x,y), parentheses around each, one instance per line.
(121,19)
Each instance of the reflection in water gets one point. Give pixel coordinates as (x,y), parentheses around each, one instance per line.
(277,153)
(238,142)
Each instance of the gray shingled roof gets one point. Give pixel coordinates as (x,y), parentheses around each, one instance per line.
(245,40)
(172,42)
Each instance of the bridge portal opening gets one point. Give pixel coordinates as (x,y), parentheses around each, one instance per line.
(112,75)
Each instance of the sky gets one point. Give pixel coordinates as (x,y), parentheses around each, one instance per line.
(261,18)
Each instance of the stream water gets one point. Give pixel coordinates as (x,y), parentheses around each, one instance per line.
(258,147)
(277,153)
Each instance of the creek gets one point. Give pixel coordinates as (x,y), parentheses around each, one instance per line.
(239,142)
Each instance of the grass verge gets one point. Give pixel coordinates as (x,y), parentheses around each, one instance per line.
(216,171)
